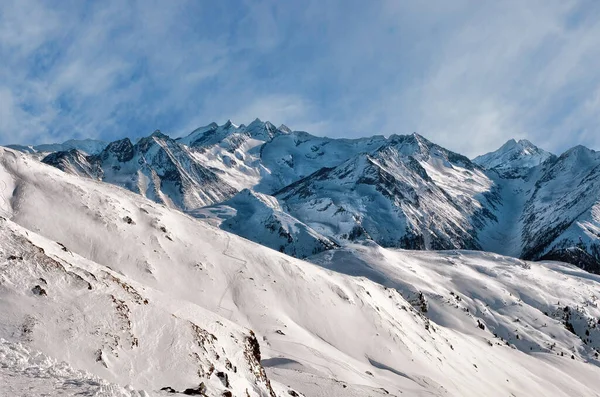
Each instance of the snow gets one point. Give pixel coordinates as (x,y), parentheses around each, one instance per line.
(260,218)
(408,188)
(513,155)
(24,372)
(351,317)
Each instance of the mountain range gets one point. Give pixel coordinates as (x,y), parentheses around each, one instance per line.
(302,194)
(106,293)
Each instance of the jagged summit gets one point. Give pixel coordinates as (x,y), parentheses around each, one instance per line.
(580,151)
(521,154)
(214,133)
(284,128)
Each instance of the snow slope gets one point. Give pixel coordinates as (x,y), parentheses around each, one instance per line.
(99,320)
(362,321)
(25,372)
(259,218)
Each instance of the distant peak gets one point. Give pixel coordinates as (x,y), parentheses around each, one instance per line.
(284,128)
(521,154)
(258,123)
(578,150)
(263,130)
(525,142)
(413,138)
(158,134)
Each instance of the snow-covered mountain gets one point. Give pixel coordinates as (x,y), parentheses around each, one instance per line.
(548,206)
(156,167)
(562,218)
(302,194)
(137,297)
(514,158)
(409,193)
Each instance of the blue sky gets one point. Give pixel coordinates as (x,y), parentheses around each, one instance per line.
(468,75)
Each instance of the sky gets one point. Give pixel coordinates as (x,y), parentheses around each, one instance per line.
(468,75)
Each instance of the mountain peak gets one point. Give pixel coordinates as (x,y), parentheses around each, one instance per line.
(284,128)
(122,150)
(262,130)
(158,134)
(521,154)
(580,154)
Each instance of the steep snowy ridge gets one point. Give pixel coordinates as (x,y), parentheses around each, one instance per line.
(361,321)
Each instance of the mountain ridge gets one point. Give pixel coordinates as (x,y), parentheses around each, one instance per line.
(429,197)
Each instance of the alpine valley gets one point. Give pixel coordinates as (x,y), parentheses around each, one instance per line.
(254,260)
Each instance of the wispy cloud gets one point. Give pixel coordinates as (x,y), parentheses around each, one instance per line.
(468,75)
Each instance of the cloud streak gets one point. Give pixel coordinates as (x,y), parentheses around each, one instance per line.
(468,75)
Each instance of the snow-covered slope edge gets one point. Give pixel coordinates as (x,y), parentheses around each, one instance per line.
(23,369)
(99,320)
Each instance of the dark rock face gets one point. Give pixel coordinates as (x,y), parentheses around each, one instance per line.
(252,354)
(196,391)
(574,256)
(37,290)
(121,150)
(74,161)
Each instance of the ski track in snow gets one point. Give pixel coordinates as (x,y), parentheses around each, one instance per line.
(231,279)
